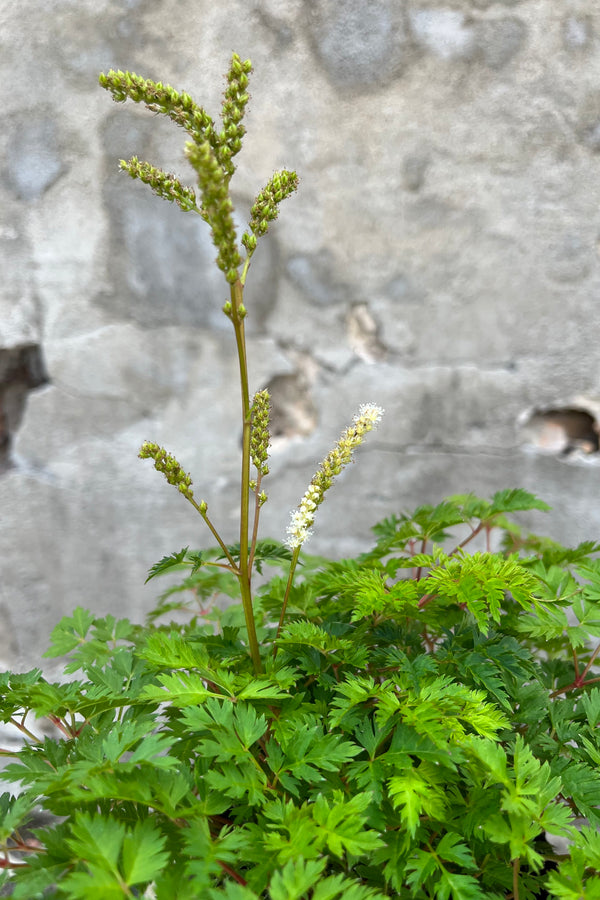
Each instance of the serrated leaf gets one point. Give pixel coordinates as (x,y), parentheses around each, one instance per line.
(98,840)
(295,879)
(95,884)
(337,887)
(452,849)
(516,500)
(261,690)
(421,866)
(181,689)
(144,854)
(343,824)
(14,812)
(174,561)
(416,792)
(460,887)
(70,632)
(272,552)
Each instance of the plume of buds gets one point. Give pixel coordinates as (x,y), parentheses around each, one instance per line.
(168,465)
(210,152)
(259,435)
(232,112)
(162,98)
(266,205)
(217,207)
(162,183)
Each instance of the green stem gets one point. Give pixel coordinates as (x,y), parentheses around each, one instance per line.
(256,518)
(237,293)
(245,268)
(286,596)
(215,533)
(226,566)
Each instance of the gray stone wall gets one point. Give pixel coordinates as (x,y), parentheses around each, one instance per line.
(440,259)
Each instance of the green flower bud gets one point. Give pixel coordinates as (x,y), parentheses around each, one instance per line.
(162,98)
(249,242)
(162,183)
(259,435)
(234,105)
(266,206)
(168,465)
(216,206)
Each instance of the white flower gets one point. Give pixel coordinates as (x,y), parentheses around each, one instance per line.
(371,412)
(302,518)
(298,529)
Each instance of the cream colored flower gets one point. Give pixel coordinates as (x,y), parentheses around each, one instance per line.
(298,530)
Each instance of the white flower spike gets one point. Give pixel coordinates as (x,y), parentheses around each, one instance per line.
(298,531)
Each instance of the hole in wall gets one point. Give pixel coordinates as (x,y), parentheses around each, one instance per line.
(562,430)
(293,413)
(363,334)
(22,369)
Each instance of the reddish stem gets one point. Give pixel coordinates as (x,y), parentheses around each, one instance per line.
(469,537)
(231,872)
(423,549)
(575,663)
(62,727)
(574,686)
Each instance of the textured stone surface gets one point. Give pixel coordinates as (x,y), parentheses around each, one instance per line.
(33,160)
(360,43)
(444,32)
(440,258)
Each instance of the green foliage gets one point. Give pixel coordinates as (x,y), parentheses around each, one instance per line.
(422,743)
(418,722)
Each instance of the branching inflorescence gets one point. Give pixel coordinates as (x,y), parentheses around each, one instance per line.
(210,152)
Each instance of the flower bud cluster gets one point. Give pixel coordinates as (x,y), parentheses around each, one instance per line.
(162,183)
(217,207)
(209,153)
(302,518)
(266,205)
(169,466)
(259,435)
(234,105)
(162,98)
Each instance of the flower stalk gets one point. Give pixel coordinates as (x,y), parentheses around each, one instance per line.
(237,315)
(302,518)
(210,152)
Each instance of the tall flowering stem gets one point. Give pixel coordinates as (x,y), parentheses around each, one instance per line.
(302,518)
(236,311)
(210,152)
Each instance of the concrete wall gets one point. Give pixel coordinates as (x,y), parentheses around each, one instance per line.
(440,259)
